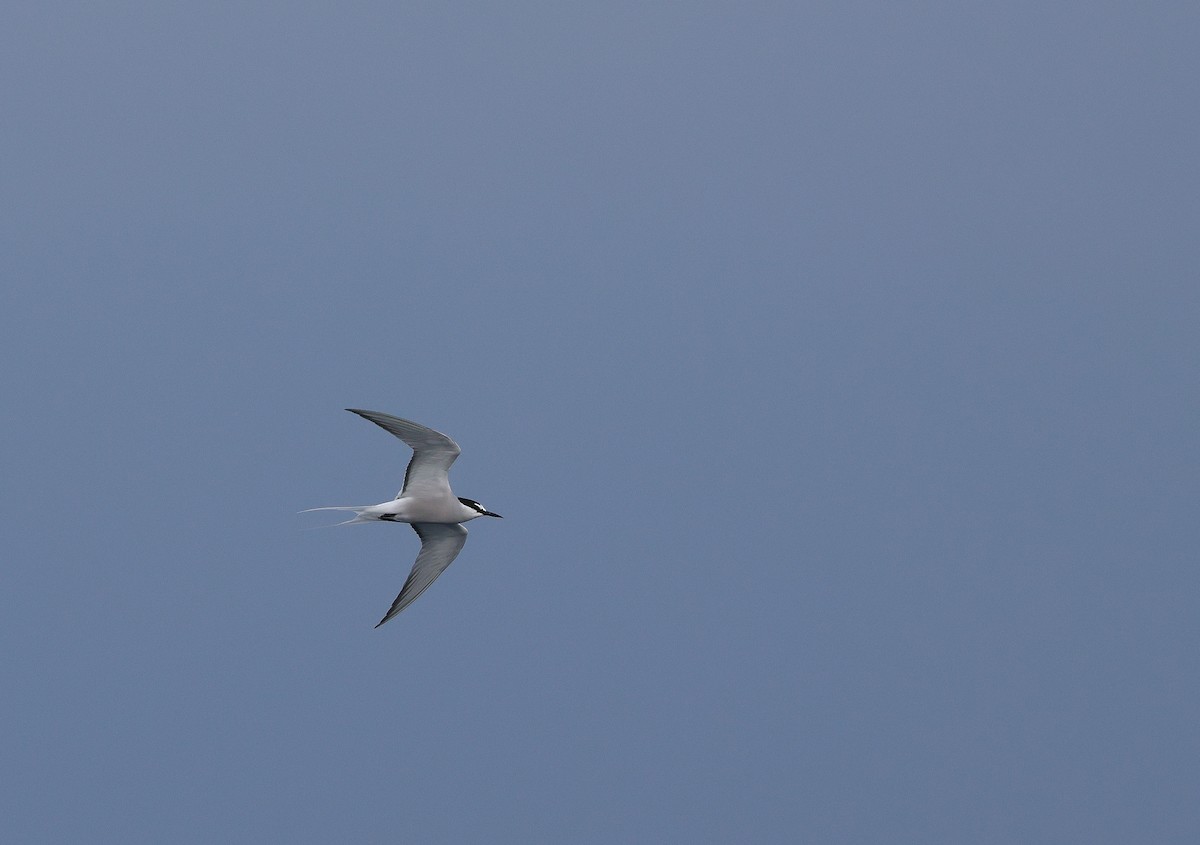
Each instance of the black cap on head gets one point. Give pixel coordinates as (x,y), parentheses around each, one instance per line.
(471,503)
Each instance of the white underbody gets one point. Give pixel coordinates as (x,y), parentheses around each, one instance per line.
(420,509)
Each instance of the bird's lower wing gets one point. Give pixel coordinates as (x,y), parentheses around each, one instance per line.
(440,545)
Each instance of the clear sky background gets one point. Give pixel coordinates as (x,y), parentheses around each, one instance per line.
(835,366)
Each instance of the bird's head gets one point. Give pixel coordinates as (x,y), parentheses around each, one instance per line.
(475,506)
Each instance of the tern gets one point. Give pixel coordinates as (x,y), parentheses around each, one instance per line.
(425,502)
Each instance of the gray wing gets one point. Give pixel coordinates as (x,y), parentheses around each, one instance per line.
(440,545)
(433,453)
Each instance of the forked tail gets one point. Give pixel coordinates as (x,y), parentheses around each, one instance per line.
(358,515)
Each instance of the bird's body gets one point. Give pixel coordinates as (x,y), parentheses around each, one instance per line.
(448,511)
(426,502)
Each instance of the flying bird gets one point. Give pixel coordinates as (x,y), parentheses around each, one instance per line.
(425,502)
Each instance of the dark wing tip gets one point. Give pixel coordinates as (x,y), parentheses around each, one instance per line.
(391,612)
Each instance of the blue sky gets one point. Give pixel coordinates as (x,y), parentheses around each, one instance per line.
(833,365)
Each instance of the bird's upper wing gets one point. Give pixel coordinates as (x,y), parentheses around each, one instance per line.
(440,545)
(433,453)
